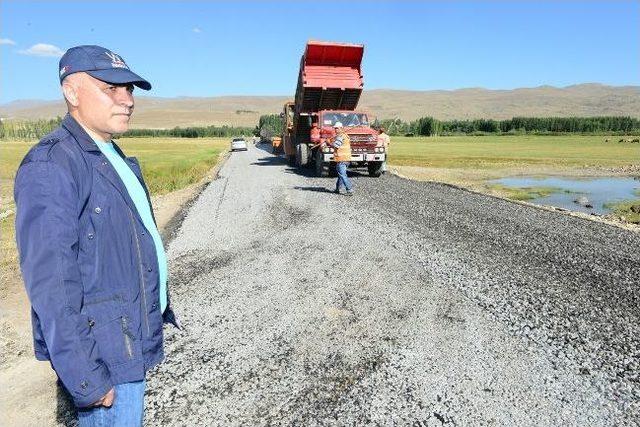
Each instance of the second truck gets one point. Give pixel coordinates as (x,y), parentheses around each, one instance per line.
(329,86)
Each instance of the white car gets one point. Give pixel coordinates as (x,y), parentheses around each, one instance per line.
(239,144)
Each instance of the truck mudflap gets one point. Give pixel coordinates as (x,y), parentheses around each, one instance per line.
(364,157)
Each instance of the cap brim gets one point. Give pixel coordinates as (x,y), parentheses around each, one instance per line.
(120,76)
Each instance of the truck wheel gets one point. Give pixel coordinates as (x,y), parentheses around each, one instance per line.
(322,167)
(302,155)
(375,169)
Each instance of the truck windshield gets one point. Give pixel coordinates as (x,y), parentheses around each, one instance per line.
(347,119)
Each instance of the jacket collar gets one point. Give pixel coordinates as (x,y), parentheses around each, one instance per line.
(81,135)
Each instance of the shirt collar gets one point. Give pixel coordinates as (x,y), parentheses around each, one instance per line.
(102,144)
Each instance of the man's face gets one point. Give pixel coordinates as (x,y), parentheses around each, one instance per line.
(104,107)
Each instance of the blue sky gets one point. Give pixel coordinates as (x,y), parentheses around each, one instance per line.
(253,48)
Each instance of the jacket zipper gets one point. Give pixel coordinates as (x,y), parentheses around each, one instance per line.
(127,338)
(144,292)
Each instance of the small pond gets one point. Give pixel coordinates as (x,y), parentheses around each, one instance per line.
(597,192)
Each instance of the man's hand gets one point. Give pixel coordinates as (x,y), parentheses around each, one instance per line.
(107,399)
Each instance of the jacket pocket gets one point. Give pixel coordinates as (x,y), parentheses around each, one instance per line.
(111,329)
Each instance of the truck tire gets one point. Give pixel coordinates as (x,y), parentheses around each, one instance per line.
(302,155)
(322,167)
(375,169)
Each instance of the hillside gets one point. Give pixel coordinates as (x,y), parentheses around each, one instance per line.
(578,100)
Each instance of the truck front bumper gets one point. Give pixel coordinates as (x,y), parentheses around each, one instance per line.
(363,157)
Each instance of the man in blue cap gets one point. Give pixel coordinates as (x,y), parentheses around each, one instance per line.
(91,256)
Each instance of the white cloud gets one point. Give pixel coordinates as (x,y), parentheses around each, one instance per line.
(197,30)
(43,49)
(7,41)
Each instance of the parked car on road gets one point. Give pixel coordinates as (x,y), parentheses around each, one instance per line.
(239,144)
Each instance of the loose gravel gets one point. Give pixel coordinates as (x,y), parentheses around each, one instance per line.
(408,304)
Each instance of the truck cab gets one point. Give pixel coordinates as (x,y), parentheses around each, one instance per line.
(364,140)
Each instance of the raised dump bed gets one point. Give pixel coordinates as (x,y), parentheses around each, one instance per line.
(330,77)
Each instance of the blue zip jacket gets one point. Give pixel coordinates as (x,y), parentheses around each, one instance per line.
(89,266)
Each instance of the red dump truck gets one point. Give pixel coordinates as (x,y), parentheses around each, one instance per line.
(329,87)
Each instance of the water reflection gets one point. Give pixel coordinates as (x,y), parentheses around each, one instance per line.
(595,192)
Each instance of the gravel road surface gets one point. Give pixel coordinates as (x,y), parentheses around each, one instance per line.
(410,303)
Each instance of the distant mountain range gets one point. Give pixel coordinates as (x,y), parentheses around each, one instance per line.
(590,99)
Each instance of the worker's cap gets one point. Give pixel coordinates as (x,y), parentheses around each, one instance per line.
(100,63)
(337,125)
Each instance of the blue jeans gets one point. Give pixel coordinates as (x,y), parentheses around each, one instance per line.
(127,409)
(343,179)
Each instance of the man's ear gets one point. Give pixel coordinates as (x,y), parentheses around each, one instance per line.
(70,92)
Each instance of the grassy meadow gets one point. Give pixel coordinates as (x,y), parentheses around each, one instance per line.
(471,161)
(168,164)
(487,153)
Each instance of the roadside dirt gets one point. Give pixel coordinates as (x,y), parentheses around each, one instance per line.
(30,396)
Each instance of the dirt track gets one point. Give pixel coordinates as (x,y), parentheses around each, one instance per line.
(409,303)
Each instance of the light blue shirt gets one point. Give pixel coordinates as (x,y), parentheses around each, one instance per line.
(139,197)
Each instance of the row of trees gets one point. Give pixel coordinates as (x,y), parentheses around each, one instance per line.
(428,126)
(271,124)
(35,129)
(31,129)
(190,132)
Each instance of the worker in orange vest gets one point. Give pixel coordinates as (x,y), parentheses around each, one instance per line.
(342,157)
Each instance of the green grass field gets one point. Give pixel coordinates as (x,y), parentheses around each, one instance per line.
(168,164)
(500,152)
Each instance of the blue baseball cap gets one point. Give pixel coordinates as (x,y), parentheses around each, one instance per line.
(100,63)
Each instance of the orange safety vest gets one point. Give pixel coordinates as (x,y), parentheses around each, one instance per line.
(343,153)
